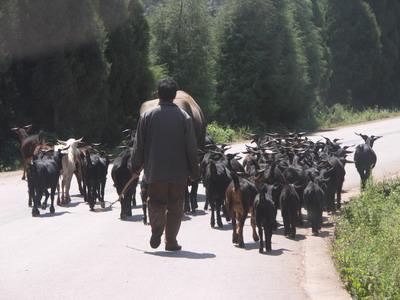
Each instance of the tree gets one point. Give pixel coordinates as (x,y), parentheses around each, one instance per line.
(130,81)
(182,45)
(354,42)
(262,68)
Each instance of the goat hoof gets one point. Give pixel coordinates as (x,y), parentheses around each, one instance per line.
(220,225)
(261,250)
(212,224)
(52,210)
(102,204)
(241,245)
(44,206)
(35,212)
(91,209)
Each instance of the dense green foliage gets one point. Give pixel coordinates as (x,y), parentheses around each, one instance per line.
(367,245)
(73,67)
(83,67)
(182,45)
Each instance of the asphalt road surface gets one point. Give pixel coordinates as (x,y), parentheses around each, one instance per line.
(78,254)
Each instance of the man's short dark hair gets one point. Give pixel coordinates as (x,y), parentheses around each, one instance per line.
(167,89)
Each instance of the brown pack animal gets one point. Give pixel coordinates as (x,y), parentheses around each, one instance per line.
(189,105)
(28,144)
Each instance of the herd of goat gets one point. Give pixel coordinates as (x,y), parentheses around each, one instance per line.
(282,171)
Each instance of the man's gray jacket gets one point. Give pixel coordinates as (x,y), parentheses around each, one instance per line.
(166,145)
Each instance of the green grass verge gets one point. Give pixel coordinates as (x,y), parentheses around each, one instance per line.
(367,244)
(327,117)
(339,115)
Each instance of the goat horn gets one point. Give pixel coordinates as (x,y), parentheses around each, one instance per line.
(61,142)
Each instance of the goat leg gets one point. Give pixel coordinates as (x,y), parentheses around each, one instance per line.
(260,232)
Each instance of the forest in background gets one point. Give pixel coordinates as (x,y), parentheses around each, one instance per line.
(83,67)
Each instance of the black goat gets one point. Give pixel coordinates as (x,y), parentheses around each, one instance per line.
(314,200)
(216,179)
(96,175)
(289,203)
(121,172)
(365,157)
(43,173)
(265,216)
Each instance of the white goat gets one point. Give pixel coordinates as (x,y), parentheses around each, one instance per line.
(68,167)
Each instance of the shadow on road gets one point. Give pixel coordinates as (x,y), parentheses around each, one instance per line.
(256,246)
(56,214)
(324,234)
(135,218)
(196,213)
(177,254)
(182,254)
(100,210)
(71,204)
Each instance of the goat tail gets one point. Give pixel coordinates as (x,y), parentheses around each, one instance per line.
(235,179)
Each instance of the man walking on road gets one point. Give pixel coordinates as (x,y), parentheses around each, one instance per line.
(167,150)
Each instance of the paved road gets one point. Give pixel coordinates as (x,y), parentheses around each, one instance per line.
(77,254)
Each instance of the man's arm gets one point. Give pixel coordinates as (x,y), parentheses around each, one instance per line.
(191,149)
(138,146)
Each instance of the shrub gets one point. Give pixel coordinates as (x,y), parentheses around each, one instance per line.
(367,244)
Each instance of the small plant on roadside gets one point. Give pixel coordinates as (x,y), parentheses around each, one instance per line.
(367,244)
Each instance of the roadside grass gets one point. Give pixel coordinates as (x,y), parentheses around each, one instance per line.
(324,118)
(367,242)
(339,115)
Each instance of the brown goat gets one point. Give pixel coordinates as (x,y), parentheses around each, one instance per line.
(28,144)
(239,202)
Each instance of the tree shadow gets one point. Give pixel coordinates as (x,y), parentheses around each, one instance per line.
(56,214)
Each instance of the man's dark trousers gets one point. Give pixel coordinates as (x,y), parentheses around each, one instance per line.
(166,209)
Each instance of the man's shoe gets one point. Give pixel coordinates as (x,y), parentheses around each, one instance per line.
(155,241)
(175,247)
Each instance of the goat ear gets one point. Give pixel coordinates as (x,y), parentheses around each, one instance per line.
(61,142)
(376,137)
(28,127)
